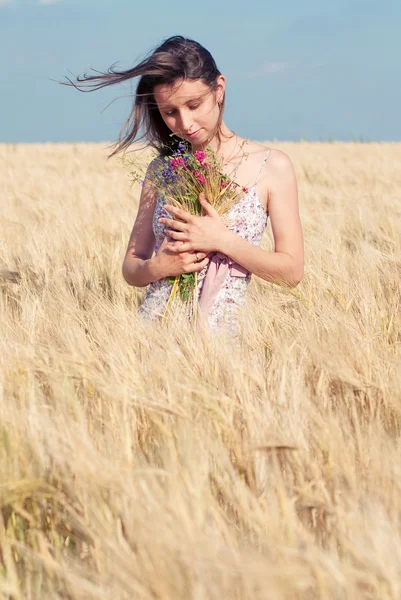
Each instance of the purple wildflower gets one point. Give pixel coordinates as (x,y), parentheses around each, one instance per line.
(168,175)
(180,148)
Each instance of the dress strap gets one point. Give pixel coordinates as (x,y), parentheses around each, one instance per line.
(263,164)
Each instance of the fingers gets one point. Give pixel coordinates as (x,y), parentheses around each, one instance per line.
(182,247)
(174,224)
(178,212)
(198,266)
(209,210)
(176,235)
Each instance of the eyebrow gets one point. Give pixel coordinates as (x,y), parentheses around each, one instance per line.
(167,106)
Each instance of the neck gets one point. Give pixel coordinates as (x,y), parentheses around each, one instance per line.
(228,142)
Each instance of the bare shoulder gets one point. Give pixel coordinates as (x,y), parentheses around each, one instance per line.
(278,168)
(254,150)
(277,159)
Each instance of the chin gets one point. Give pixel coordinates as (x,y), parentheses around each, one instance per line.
(200,139)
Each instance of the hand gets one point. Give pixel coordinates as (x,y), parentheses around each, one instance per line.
(173,263)
(194,233)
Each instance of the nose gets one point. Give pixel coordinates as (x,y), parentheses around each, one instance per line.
(185,121)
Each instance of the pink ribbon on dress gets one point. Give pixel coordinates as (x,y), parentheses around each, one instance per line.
(219,267)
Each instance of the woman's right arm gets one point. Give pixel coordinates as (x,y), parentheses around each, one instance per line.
(139,268)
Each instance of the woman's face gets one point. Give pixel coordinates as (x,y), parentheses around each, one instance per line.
(190,107)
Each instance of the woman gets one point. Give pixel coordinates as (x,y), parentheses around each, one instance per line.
(181,96)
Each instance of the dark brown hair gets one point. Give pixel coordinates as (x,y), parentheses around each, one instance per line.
(176,58)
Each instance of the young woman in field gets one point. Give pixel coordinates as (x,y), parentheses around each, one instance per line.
(181,92)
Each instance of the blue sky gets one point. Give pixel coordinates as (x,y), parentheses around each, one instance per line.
(295,70)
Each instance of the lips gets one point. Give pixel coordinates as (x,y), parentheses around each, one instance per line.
(193,134)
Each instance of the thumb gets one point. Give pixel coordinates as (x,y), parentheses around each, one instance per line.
(210,211)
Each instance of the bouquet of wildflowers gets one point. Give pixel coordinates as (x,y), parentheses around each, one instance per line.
(180,180)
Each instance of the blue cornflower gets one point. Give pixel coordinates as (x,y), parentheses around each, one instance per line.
(168,175)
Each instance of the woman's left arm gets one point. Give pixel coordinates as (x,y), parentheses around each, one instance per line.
(284,265)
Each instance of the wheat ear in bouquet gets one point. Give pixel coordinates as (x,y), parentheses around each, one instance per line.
(180,179)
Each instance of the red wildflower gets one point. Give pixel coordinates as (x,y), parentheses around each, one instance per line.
(177,162)
(200,156)
(201,178)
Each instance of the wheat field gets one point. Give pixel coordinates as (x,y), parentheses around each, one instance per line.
(145,463)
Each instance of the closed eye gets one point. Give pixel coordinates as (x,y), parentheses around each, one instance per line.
(170,114)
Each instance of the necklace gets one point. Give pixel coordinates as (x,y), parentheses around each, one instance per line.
(226,161)
(245,155)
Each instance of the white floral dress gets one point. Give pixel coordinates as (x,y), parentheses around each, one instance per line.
(247,218)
